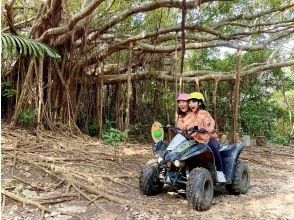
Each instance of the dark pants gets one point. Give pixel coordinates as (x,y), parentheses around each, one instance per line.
(214,146)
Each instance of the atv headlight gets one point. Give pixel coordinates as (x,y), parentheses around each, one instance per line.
(178,163)
(159,160)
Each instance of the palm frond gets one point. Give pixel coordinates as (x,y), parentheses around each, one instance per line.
(12,44)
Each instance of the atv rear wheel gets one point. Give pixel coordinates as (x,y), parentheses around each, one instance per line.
(149,179)
(241,180)
(199,189)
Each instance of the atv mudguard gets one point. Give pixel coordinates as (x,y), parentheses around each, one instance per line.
(230,155)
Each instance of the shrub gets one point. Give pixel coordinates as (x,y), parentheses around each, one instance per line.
(7,89)
(27,116)
(93,129)
(113,136)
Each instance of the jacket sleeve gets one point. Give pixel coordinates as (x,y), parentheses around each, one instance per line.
(208,122)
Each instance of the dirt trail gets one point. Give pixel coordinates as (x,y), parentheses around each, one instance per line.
(271,195)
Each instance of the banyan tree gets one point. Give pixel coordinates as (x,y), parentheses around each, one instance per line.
(118,55)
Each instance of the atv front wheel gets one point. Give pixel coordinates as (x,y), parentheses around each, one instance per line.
(199,189)
(241,180)
(149,179)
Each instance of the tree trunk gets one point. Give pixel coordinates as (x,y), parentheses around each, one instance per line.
(49,95)
(117,105)
(288,108)
(23,92)
(129,90)
(237,98)
(39,74)
(214,100)
(197,85)
(101,104)
(260,141)
(134,109)
(56,105)
(174,70)
(166,103)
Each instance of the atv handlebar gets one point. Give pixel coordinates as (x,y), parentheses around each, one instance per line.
(187,133)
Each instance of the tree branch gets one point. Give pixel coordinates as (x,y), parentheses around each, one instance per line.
(253,16)
(50,19)
(190,76)
(134,10)
(20,24)
(122,44)
(76,18)
(147,7)
(217,43)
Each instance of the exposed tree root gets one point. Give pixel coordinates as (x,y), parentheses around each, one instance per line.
(88,197)
(3,202)
(96,191)
(56,171)
(268,153)
(263,163)
(25,200)
(31,202)
(93,200)
(117,182)
(66,163)
(33,185)
(59,183)
(58,196)
(58,200)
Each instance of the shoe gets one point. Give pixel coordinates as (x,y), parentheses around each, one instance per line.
(220,177)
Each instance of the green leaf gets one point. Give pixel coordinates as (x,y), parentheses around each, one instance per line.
(35,48)
(12,46)
(24,45)
(17,44)
(39,49)
(30,48)
(51,52)
(4,42)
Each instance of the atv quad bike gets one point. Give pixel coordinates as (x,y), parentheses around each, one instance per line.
(189,165)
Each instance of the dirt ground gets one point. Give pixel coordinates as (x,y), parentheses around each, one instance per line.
(80,178)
